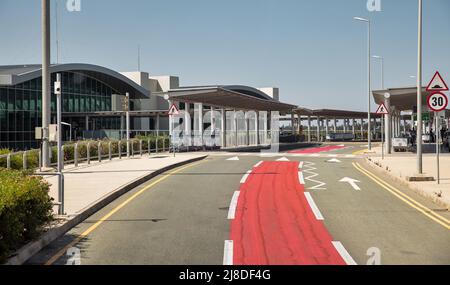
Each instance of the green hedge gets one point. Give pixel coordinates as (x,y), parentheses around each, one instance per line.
(25,208)
(33,155)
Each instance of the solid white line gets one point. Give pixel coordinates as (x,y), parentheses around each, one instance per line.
(332,155)
(233,206)
(301,178)
(245,177)
(228,253)
(258,164)
(300,166)
(314,207)
(344,253)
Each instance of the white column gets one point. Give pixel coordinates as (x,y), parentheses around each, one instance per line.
(335,125)
(187,124)
(224,128)
(318,129)
(309,129)
(327,127)
(213,120)
(362,129)
(387,126)
(345,125)
(235,128)
(247,128)
(265,128)
(257,128)
(200,123)
(157,124)
(293,123)
(354,127)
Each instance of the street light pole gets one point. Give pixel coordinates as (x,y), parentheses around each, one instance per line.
(369,87)
(419,93)
(128,123)
(45,18)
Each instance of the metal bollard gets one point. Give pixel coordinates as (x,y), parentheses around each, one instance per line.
(109,151)
(8,161)
(140,147)
(149,148)
(24,161)
(75,154)
(132,148)
(88,153)
(120,149)
(99,151)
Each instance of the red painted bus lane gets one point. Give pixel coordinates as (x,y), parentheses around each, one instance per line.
(317,149)
(274,224)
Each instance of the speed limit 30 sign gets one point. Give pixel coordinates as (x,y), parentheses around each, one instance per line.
(437,102)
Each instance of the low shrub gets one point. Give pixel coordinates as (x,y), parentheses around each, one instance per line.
(25,208)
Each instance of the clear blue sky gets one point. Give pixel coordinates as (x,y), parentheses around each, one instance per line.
(312,50)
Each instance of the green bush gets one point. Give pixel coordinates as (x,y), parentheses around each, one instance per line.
(25,208)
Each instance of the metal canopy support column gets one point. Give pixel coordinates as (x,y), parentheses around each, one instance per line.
(224,128)
(235,128)
(354,127)
(258,142)
(387,127)
(247,128)
(200,123)
(187,124)
(265,128)
(362,129)
(309,129)
(335,125)
(318,129)
(327,127)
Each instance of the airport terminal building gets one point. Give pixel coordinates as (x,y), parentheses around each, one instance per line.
(92,105)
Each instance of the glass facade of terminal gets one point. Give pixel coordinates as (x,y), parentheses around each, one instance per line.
(20,108)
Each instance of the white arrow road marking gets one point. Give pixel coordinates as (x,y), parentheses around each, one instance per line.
(300,165)
(309,169)
(283,159)
(245,177)
(352,182)
(228,253)
(344,253)
(334,160)
(233,206)
(233,159)
(313,206)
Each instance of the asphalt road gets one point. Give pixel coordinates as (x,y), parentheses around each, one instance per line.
(181,218)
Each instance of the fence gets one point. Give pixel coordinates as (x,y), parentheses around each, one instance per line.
(86,151)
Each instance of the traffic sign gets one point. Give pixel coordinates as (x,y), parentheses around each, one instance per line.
(173,111)
(437,84)
(382,110)
(437,102)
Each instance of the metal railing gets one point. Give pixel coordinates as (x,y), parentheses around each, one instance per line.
(87,152)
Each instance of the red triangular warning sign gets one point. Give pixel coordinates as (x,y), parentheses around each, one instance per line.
(437,84)
(173,111)
(382,110)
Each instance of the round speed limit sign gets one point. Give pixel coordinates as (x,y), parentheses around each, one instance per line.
(437,102)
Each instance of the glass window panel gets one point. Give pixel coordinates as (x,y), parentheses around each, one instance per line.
(3,98)
(19,99)
(26,100)
(11,99)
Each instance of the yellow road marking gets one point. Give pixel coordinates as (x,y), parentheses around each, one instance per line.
(360,152)
(405,198)
(112,212)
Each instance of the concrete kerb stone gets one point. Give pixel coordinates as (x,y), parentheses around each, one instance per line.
(413,187)
(30,249)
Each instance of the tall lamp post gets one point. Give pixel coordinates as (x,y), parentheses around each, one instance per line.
(45,29)
(369,135)
(419,93)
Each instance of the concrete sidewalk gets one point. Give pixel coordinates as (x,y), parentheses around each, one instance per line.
(88,184)
(402,165)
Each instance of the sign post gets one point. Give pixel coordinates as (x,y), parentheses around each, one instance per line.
(437,102)
(382,110)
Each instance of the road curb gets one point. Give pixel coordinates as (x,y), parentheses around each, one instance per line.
(411,186)
(30,249)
